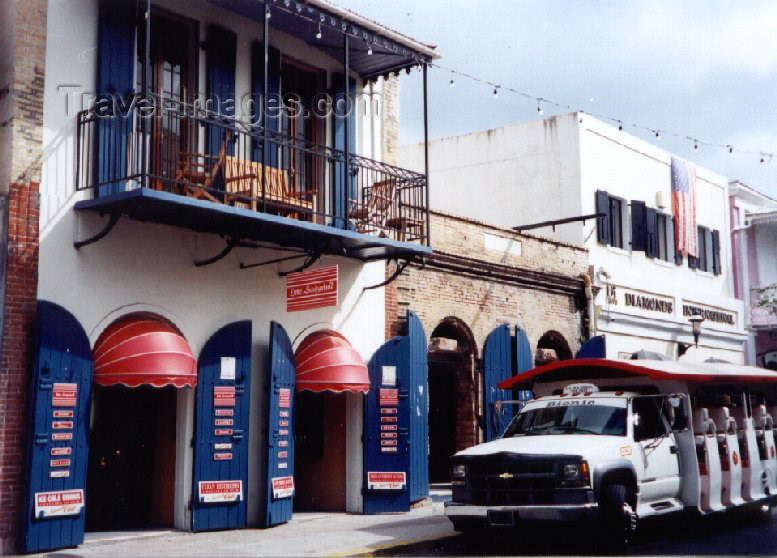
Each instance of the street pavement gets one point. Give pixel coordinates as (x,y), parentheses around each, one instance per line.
(307,534)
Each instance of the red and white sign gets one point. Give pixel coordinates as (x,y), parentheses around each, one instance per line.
(61,451)
(59,463)
(59,474)
(282,487)
(222,432)
(385,481)
(284,414)
(283,432)
(224,396)
(283,465)
(388,442)
(283,454)
(283,423)
(388,434)
(388,411)
(389,397)
(388,419)
(64,395)
(225,412)
(62,425)
(283,443)
(388,426)
(389,450)
(224,422)
(312,288)
(63,414)
(61,502)
(222,446)
(220,491)
(61,436)
(284,398)
(222,456)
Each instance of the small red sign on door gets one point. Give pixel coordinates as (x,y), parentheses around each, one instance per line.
(224,396)
(61,436)
(312,288)
(63,414)
(224,412)
(385,480)
(64,395)
(59,463)
(62,425)
(282,487)
(61,451)
(222,456)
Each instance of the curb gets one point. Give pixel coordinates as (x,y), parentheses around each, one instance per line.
(390,549)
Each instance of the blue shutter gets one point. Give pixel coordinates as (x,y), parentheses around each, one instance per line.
(639,228)
(115,78)
(407,355)
(595,347)
(280,392)
(716,264)
(524,359)
(211,449)
(678,256)
(498,365)
(603,223)
(340,113)
(220,70)
(62,355)
(272,117)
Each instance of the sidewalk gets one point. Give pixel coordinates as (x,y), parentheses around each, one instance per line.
(307,534)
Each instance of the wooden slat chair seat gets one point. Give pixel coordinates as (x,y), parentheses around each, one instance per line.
(243,179)
(372,215)
(198,171)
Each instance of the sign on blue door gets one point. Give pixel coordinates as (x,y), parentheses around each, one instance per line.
(221,430)
(58,435)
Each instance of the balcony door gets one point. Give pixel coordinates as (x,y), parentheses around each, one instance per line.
(173,57)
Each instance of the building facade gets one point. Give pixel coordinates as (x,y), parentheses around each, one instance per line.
(481,281)
(196,250)
(645,293)
(753,237)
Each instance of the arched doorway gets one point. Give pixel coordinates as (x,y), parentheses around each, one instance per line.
(139,362)
(552,346)
(453,393)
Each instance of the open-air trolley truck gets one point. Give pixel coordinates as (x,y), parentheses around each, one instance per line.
(615,441)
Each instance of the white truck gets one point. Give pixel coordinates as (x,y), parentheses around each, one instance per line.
(615,441)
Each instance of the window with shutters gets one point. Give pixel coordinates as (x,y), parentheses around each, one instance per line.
(708,251)
(612,227)
(665,237)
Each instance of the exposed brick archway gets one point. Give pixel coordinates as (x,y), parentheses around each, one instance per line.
(554,340)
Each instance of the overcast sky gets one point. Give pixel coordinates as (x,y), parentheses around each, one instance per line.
(705,69)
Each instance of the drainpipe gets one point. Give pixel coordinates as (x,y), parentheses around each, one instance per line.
(589,300)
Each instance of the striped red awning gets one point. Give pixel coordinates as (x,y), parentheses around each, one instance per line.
(325,361)
(139,350)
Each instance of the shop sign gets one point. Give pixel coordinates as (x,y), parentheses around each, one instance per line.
(224,412)
(61,451)
(224,396)
(282,487)
(389,397)
(59,474)
(386,480)
(61,436)
(711,314)
(312,288)
(59,503)
(284,398)
(64,395)
(220,491)
(642,302)
(63,414)
(59,463)
(62,425)
(222,456)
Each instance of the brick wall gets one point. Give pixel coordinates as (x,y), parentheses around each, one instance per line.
(483,276)
(21,256)
(390,119)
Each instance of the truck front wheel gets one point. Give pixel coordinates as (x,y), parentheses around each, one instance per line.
(618,519)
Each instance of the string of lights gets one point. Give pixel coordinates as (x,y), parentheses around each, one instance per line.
(541,101)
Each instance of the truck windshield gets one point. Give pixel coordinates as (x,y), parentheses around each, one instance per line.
(578,419)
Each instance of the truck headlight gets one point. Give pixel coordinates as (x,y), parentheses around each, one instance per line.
(574,475)
(458,474)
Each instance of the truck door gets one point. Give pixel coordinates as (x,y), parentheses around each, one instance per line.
(660,454)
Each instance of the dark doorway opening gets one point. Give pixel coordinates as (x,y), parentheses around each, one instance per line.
(442,420)
(319,451)
(131,475)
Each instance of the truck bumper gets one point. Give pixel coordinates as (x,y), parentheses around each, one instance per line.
(505,516)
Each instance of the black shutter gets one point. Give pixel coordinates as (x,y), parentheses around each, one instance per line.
(651,244)
(639,230)
(678,256)
(716,252)
(220,69)
(603,223)
(272,119)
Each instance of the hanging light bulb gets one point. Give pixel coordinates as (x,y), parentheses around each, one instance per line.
(582,114)
(762,158)
(453,84)
(695,145)
(730,149)
(539,108)
(318,33)
(496,93)
(658,135)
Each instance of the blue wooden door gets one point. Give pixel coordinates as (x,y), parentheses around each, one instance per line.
(396,435)
(498,365)
(221,430)
(524,360)
(281,381)
(58,433)
(595,347)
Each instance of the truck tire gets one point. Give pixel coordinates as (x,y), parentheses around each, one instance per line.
(618,519)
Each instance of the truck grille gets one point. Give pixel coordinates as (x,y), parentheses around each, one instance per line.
(510,480)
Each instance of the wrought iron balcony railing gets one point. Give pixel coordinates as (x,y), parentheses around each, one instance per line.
(182,149)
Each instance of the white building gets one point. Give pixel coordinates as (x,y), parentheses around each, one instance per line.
(753,241)
(574,165)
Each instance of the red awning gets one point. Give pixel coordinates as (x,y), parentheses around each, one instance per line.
(143,351)
(325,361)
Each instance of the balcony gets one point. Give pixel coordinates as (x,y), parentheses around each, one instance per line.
(180,164)
(763,307)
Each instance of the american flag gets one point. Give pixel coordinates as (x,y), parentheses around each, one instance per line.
(684,205)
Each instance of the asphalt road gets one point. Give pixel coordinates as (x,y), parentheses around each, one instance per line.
(725,535)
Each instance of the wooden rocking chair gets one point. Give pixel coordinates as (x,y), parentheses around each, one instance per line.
(372,216)
(198,171)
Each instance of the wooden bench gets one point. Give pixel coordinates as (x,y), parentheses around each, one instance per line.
(243,186)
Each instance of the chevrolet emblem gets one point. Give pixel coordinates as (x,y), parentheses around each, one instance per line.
(505,476)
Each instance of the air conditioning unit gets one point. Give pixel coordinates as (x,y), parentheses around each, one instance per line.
(660,203)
